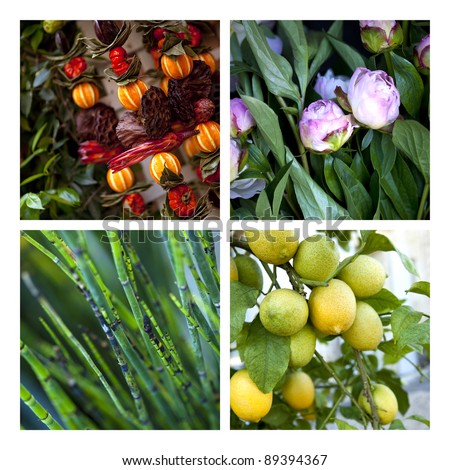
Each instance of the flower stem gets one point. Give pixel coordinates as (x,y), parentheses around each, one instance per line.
(389,63)
(423,200)
(295,131)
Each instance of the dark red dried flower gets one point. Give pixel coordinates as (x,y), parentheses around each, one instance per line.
(135,203)
(130,130)
(204,110)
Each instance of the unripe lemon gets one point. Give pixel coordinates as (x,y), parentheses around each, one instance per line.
(385,402)
(234,276)
(317,258)
(303,345)
(366,332)
(332,308)
(365,275)
(283,312)
(249,271)
(298,390)
(246,399)
(273,246)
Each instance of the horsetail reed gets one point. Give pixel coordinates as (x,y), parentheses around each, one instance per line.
(119,332)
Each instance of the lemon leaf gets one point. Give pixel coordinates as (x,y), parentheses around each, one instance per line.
(266,356)
(242,298)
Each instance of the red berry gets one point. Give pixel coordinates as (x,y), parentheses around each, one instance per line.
(196,36)
(182,200)
(211,179)
(158,33)
(118,56)
(76,66)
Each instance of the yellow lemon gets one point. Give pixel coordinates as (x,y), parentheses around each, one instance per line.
(234,276)
(365,276)
(298,390)
(249,271)
(366,332)
(385,403)
(332,308)
(246,399)
(283,312)
(273,246)
(303,345)
(317,258)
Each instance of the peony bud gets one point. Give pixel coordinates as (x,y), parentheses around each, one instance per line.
(324,127)
(421,56)
(380,36)
(326,84)
(373,98)
(246,188)
(241,119)
(51,26)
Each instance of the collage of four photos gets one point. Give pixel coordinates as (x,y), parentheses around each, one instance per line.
(329,328)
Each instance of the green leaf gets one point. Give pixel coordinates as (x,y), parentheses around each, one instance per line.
(278,415)
(31,178)
(407,330)
(242,298)
(400,186)
(36,39)
(266,356)
(367,139)
(31,200)
(377,242)
(314,202)
(276,70)
(325,49)
(350,412)
(409,84)
(359,168)
(382,153)
(331,178)
(359,202)
(275,190)
(413,139)
(397,424)
(41,77)
(383,302)
(348,54)
(37,137)
(297,39)
(420,287)
(344,426)
(392,353)
(263,209)
(420,419)
(64,196)
(269,126)
(26,100)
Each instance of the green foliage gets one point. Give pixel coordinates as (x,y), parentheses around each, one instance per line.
(340,381)
(109,340)
(370,177)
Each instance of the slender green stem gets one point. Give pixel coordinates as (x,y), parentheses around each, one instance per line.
(423,201)
(389,63)
(295,131)
(340,384)
(42,414)
(332,411)
(366,389)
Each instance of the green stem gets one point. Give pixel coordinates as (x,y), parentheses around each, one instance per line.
(295,131)
(389,63)
(332,411)
(366,389)
(423,201)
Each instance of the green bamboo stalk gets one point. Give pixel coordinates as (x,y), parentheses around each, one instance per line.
(55,339)
(41,413)
(63,404)
(81,352)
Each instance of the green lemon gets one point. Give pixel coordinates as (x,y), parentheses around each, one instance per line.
(249,271)
(385,403)
(298,390)
(273,246)
(317,258)
(365,276)
(366,332)
(303,345)
(283,312)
